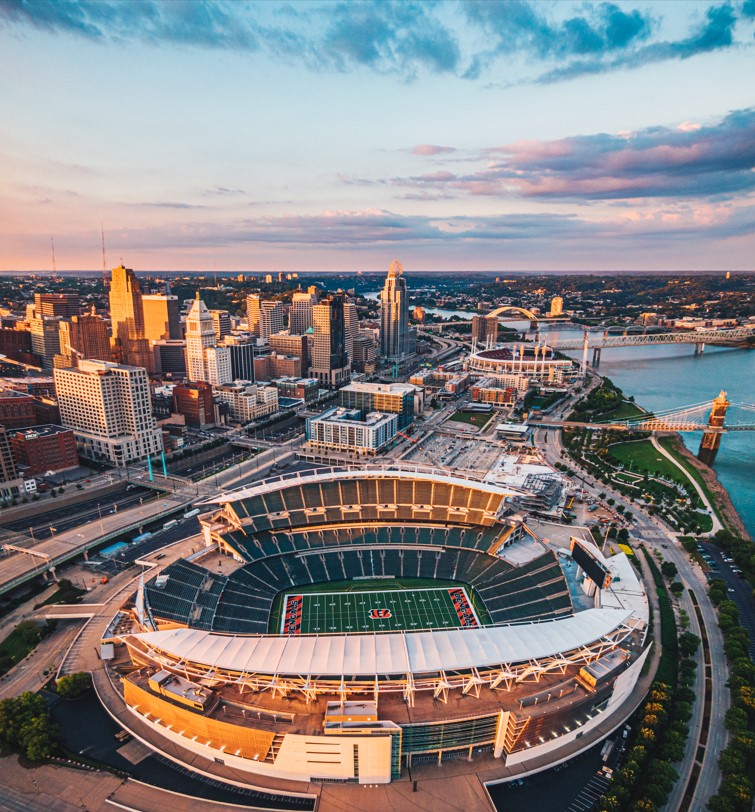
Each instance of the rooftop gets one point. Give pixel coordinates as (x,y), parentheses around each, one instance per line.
(340,414)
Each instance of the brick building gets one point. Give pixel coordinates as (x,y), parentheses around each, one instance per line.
(44,448)
(195,402)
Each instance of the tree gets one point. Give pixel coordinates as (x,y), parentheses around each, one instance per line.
(688,643)
(668,568)
(72,686)
(25,726)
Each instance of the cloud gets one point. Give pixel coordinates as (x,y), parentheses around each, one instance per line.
(715,33)
(688,161)
(399,37)
(431,149)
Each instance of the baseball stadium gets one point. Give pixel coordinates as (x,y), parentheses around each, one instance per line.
(366,622)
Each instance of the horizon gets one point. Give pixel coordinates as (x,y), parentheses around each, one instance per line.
(607,137)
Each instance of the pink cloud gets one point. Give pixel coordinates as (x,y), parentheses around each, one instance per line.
(431,149)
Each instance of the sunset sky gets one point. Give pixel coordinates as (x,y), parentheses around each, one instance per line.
(336,136)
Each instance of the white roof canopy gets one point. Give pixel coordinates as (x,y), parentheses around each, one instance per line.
(386,653)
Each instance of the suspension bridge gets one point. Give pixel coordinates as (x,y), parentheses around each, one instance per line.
(708,417)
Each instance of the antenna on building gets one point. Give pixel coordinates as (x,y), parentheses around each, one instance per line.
(52,246)
(104,258)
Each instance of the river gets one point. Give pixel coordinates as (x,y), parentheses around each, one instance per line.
(671,376)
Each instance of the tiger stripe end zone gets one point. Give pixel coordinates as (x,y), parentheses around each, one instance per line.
(378,611)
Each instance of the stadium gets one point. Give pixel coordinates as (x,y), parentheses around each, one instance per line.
(366,622)
(536,361)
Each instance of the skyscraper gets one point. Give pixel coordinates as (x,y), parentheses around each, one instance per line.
(45,338)
(330,363)
(205,361)
(84,336)
(485,329)
(271,318)
(351,325)
(57,304)
(557,307)
(221,321)
(127,319)
(161,318)
(300,315)
(394,318)
(253,301)
(109,408)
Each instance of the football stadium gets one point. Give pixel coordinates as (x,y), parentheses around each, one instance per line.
(353,625)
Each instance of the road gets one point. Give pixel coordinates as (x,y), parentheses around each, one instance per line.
(64,518)
(652,531)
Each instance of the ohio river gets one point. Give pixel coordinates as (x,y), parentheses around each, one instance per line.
(668,377)
(671,376)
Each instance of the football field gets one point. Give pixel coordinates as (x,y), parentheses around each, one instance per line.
(377,611)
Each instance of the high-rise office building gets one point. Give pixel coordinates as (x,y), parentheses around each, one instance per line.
(285,343)
(109,408)
(45,339)
(161,318)
(127,319)
(364,353)
(485,329)
(170,357)
(84,336)
(330,363)
(221,321)
(394,318)
(205,361)
(64,305)
(557,306)
(351,327)
(300,315)
(241,349)
(271,318)
(253,307)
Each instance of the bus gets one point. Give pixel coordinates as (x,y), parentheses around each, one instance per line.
(191,513)
(171,523)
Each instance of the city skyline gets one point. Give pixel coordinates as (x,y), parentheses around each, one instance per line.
(302,137)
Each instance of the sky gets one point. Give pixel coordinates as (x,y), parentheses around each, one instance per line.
(295,136)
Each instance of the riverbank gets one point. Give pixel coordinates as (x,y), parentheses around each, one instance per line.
(720,496)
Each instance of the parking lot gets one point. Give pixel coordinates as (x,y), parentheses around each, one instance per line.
(458,453)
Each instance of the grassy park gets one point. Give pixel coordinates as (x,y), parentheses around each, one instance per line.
(478,419)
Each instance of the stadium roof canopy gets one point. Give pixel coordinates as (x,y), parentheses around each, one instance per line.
(292,480)
(367,655)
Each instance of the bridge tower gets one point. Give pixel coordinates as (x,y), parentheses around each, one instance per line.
(585,347)
(711,441)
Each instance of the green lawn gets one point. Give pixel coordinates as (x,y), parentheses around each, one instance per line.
(625,411)
(643,456)
(373,610)
(19,643)
(668,445)
(478,419)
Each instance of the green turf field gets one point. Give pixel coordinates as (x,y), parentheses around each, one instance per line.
(376,610)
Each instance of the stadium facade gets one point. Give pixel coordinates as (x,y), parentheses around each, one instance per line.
(541,648)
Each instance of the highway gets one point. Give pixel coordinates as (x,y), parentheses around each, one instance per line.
(39,526)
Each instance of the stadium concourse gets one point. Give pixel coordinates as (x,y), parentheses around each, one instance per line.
(373,621)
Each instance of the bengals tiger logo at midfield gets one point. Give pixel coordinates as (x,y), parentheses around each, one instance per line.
(380,614)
